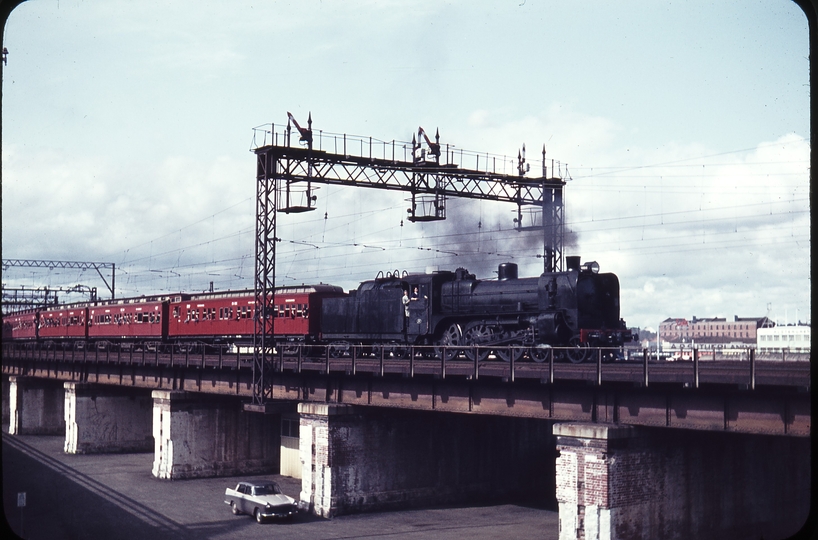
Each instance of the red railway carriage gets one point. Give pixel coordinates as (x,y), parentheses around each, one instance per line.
(63,322)
(21,325)
(129,319)
(211,316)
(298,309)
(229,316)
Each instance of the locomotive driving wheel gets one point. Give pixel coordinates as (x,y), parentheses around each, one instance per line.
(477,334)
(512,351)
(451,338)
(512,348)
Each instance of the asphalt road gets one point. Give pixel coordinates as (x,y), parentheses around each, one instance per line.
(114,496)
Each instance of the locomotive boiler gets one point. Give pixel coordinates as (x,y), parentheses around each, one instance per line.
(456,312)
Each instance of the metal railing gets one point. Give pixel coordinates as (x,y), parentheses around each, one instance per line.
(403,152)
(546,365)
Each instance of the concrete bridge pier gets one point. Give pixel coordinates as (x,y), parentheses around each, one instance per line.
(35,406)
(618,482)
(100,419)
(357,459)
(200,435)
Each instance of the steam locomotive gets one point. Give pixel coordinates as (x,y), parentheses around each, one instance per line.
(511,316)
(453,313)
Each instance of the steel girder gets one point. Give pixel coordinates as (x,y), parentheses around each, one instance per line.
(7,263)
(264,339)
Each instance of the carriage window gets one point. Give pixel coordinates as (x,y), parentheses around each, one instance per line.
(176,311)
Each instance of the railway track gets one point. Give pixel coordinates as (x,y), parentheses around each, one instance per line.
(442,363)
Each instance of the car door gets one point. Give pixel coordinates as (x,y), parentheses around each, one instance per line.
(244,495)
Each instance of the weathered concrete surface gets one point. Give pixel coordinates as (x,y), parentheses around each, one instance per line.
(36,406)
(625,483)
(358,459)
(198,436)
(101,419)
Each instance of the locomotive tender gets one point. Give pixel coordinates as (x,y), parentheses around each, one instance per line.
(452,313)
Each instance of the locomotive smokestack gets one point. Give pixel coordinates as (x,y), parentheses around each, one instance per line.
(507,271)
(572,263)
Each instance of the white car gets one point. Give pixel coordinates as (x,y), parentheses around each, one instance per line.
(262,500)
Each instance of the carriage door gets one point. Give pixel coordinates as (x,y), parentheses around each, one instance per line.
(418,309)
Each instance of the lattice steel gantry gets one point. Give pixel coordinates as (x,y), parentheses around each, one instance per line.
(431,172)
(28,263)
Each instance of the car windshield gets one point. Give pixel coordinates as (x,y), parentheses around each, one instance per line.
(267,489)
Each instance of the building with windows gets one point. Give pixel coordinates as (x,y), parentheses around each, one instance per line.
(789,338)
(716,331)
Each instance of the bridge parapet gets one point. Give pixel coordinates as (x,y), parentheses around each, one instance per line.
(778,403)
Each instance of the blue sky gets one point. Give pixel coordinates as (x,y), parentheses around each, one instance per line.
(127,129)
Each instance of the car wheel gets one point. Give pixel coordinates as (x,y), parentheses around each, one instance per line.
(235,510)
(257,513)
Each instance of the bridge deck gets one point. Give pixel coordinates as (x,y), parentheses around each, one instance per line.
(760,397)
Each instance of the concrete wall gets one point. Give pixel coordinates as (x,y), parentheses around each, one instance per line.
(198,435)
(36,406)
(643,483)
(107,419)
(361,459)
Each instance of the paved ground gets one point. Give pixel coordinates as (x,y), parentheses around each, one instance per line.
(114,496)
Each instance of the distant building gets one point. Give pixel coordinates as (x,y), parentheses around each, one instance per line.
(792,338)
(715,332)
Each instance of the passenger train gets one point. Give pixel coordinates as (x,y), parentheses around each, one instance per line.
(451,312)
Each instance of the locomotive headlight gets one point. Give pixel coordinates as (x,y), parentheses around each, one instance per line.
(592,267)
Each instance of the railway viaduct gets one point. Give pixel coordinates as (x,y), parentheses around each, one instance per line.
(623,450)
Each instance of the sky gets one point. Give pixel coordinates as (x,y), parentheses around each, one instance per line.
(127,137)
